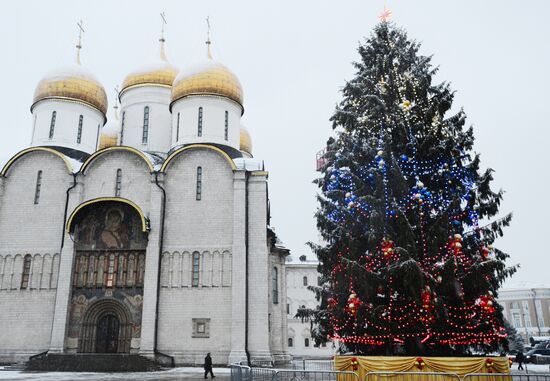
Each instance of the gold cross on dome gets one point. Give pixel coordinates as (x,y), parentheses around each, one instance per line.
(164,22)
(79,45)
(385,15)
(208,42)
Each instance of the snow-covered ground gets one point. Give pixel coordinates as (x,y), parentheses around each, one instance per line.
(222,374)
(532,368)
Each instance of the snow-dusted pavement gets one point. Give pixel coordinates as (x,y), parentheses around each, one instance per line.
(222,374)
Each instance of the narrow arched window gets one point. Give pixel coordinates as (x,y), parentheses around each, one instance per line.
(79,133)
(306,342)
(97,136)
(275,285)
(26,271)
(178,128)
(52,124)
(118,183)
(199,183)
(196,268)
(226,125)
(122,128)
(199,129)
(145,136)
(304,281)
(37,188)
(290,341)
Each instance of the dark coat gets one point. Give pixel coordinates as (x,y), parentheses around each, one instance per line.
(208,362)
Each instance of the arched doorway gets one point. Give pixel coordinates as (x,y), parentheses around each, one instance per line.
(106,328)
(107,334)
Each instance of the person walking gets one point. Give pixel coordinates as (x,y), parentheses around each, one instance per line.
(520,359)
(208,366)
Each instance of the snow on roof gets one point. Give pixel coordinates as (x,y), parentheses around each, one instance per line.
(248,164)
(524,286)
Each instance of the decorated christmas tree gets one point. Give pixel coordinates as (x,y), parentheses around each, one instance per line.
(406,215)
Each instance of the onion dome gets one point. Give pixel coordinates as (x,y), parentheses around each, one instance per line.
(108,136)
(74,84)
(208,78)
(160,73)
(246,141)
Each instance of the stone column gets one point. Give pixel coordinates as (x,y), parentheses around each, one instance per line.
(64,278)
(259,275)
(152,264)
(285,355)
(238,271)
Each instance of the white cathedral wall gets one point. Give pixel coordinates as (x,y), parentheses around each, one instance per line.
(193,224)
(133,103)
(100,178)
(26,226)
(213,121)
(66,125)
(204,226)
(35,229)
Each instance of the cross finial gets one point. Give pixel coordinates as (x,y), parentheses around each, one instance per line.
(208,42)
(161,39)
(79,44)
(385,15)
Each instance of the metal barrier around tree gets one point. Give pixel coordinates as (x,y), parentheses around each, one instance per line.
(315,375)
(412,376)
(310,364)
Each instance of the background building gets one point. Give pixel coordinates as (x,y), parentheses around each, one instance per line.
(527,308)
(299,275)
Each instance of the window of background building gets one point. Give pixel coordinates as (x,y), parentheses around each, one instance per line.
(287,308)
(304,281)
(306,342)
(540,316)
(526,314)
(290,341)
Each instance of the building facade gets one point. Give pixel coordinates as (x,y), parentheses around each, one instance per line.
(299,276)
(527,309)
(148,234)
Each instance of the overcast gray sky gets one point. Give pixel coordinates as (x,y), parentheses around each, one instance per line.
(292,57)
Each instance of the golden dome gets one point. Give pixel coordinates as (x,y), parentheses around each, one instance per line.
(108,136)
(246,141)
(160,74)
(209,78)
(73,83)
(107,141)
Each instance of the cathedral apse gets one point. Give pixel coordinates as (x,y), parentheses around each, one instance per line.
(107,279)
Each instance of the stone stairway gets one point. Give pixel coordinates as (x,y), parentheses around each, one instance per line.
(89,362)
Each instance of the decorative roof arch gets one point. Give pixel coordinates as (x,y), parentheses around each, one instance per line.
(24,152)
(96,154)
(197,146)
(144,221)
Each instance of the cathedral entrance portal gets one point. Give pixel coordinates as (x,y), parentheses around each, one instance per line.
(107,334)
(110,241)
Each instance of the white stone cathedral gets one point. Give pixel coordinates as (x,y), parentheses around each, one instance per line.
(149,234)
